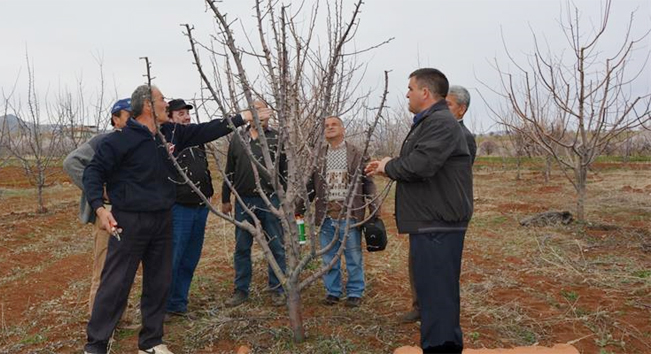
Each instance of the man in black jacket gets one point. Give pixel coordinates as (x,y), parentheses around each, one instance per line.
(238,172)
(134,164)
(458,100)
(434,206)
(189,214)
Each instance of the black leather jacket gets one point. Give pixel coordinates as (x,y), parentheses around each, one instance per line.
(194,162)
(434,175)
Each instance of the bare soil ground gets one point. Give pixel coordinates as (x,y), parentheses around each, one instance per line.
(584,284)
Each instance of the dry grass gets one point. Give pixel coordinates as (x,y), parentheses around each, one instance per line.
(588,284)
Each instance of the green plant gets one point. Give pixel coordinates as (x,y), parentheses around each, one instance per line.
(571,296)
(642,273)
(34,339)
(474,336)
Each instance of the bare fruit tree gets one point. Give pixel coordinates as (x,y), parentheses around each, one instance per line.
(82,113)
(572,108)
(34,142)
(304,81)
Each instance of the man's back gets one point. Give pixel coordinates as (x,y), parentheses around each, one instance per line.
(470,140)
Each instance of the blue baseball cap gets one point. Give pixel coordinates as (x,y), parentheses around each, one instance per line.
(123,104)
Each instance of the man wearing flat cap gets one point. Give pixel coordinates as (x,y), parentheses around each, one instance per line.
(189,214)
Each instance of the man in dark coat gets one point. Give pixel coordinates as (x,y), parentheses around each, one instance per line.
(139,176)
(434,206)
(189,214)
(458,102)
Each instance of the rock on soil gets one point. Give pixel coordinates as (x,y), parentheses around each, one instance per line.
(548,218)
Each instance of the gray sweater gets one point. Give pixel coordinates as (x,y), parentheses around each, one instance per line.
(74,165)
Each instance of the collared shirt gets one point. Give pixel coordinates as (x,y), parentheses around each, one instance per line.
(418,117)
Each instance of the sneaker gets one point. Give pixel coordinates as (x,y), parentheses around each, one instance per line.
(159,349)
(278,299)
(330,300)
(410,317)
(353,301)
(238,298)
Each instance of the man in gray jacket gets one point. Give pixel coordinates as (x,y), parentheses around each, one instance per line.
(74,165)
(434,206)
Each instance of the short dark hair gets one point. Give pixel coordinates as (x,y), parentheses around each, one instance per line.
(116,115)
(433,79)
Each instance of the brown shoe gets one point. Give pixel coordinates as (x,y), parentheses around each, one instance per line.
(171,315)
(410,317)
(330,300)
(238,298)
(353,301)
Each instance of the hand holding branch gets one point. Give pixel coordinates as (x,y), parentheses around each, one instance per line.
(376,167)
(263,114)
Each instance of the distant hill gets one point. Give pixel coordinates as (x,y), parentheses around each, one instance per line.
(13,122)
(10,120)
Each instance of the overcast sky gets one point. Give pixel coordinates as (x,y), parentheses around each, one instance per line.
(65,40)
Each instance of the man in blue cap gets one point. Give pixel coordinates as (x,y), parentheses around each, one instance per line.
(74,165)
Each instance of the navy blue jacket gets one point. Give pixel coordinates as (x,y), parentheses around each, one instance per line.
(135,166)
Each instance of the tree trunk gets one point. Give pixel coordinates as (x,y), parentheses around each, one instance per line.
(40,181)
(581,188)
(294,306)
(518,162)
(548,168)
(41,207)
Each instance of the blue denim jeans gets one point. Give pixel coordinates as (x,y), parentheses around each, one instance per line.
(352,254)
(188,229)
(244,241)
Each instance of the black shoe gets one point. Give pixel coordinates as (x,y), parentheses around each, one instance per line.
(410,317)
(238,298)
(330,300)
(353,301)
(171,315)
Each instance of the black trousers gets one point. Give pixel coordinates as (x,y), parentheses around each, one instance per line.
(437,268)
(146,237)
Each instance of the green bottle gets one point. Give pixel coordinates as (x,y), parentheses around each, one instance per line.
(301,229)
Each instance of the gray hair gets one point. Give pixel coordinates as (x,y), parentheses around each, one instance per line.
(141,94)
(461,94)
